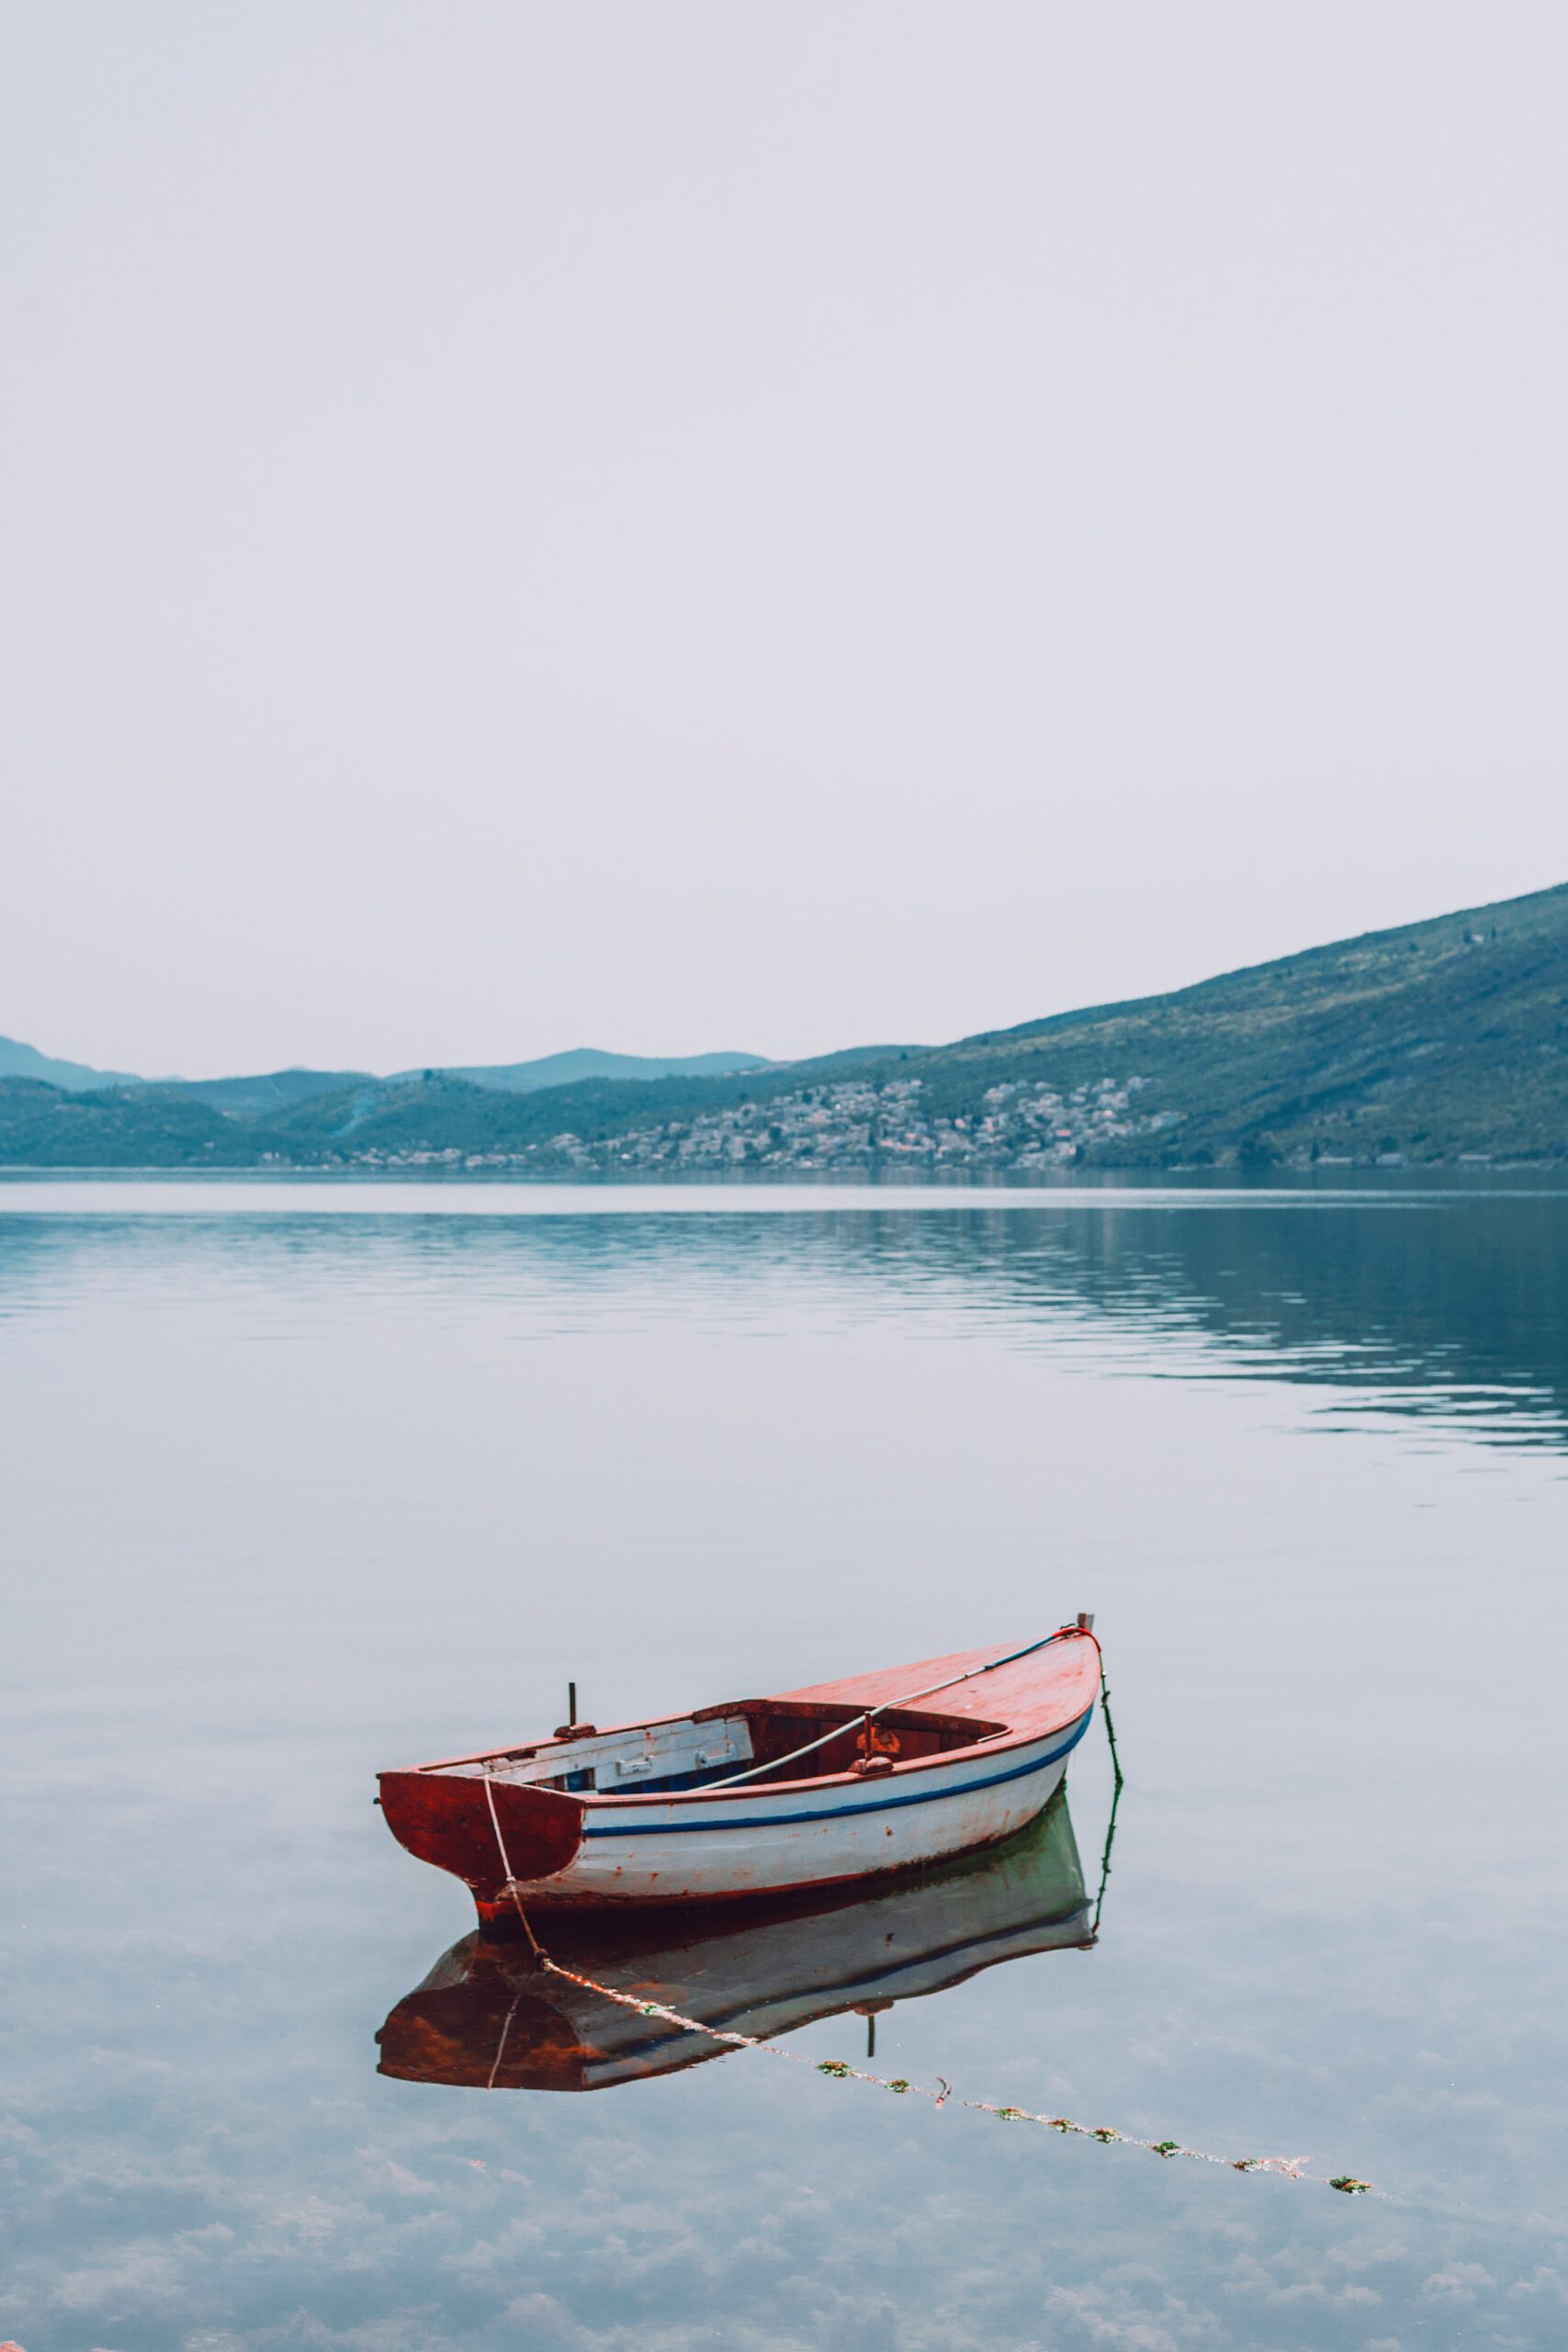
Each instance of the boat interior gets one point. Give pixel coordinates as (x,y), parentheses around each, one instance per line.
(694,1751)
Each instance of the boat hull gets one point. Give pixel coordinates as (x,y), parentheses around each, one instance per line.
(799,1838)
(883,1786)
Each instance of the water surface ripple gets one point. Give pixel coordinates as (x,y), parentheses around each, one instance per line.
(301,1480)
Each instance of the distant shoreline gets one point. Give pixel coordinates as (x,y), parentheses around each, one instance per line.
(1047,1184)
(1441,1045)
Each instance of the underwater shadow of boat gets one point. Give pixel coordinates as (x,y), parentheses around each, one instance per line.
(488,2018)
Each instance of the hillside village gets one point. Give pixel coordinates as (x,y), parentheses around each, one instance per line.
(846,1125)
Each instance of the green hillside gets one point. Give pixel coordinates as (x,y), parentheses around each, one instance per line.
(1433,1042)
(1438,1039)
(122,1127)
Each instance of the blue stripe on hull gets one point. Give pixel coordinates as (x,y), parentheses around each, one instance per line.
(592,1828)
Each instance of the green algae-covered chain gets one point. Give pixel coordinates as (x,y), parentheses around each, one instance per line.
(1287,2167)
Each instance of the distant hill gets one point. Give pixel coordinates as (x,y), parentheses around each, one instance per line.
(1433,1043)
(587,1061)
(250,1098)
(124,1126)
(1435,1040)
(18,1060)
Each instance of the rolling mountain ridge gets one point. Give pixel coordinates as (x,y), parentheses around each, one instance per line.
(588,1061)
(1431,1043)
(18,1060)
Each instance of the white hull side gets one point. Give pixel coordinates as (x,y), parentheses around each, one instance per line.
(766,1840)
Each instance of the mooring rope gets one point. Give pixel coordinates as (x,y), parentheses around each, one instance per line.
(1287,2167)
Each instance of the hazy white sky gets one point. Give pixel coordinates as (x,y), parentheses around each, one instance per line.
(670,526)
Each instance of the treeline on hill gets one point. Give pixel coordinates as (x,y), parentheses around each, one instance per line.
(1437,1040)
(170,1127)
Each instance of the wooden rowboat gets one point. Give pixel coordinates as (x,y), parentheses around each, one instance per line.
(487,2016)
(817,1787)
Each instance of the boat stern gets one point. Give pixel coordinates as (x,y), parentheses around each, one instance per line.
(444,1818)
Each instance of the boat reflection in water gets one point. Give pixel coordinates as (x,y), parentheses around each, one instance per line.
(487,2016)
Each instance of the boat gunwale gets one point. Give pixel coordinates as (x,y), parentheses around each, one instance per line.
(991,1744)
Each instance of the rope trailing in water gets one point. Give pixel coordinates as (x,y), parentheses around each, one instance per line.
(1105,1711)
(1115,1796)
(1105,1863)
(1287,2167)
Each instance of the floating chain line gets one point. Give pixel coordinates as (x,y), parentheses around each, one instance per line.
(1287,2167)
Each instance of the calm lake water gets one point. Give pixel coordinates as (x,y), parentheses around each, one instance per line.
(305,1480)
